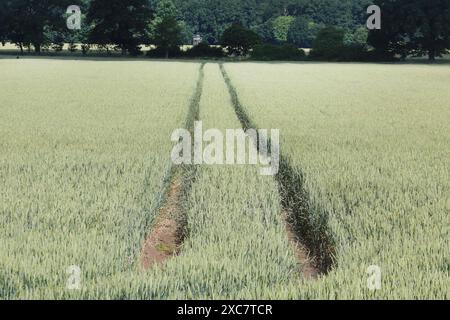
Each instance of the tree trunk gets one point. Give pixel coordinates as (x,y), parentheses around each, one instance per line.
(167,53)
(37,48)
(432,55)
(404,56)
(21,48)
(124,51)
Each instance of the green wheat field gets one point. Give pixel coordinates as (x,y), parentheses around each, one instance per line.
(85,163)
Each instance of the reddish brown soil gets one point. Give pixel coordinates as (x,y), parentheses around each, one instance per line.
(306,263)
(165,239)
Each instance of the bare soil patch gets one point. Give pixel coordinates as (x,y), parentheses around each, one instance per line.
(165,238)
(304,259)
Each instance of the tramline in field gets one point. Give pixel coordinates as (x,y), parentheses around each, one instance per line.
(85,163)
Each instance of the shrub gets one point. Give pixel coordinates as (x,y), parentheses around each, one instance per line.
(353,52)
(85,47)
(379,56)
(268,52)
(359,36)
(204,50)
(135,51)
(72,47)
(57,47)
(161,52)
(328,44)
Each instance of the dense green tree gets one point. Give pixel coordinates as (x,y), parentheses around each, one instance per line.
(34,22)
(239,40)
(357,37)
(431,22)
(337,13)
(15,31)
(275,31)
(4,13)
(390,40)
(281,26)
(123,23)
(328,44)
(81,36)
(298,32)
(265,31)
(359,12)
(415,27)
(303,32)
(167,34)
(211,17)
(166,8)
(163,9)
(120,22)
(408,26)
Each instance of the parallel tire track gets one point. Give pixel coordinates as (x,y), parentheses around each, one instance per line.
(313,245)
(168,232)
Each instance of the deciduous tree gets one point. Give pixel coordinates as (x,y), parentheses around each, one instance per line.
(302,32)
(239,40)
(32,21)
(167,34)
(328,44)
(415,27)
(123,23)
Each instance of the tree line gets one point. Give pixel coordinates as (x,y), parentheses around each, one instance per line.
(409,27)
(413,27)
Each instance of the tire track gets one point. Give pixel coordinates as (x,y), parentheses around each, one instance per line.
(168,232)
(310,238)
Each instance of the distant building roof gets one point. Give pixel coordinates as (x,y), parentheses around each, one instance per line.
(197,39)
